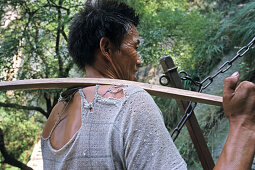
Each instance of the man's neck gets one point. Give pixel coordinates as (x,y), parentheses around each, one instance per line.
(91,72)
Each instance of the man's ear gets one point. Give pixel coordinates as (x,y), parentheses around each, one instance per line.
(106,48)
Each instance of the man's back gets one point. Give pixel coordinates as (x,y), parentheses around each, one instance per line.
(126,132)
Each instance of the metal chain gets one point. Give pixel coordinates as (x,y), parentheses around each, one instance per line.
(204,84)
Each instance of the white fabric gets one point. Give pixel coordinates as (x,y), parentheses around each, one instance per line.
(127,133)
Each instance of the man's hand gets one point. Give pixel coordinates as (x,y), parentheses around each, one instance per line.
(239,107)
(239,102)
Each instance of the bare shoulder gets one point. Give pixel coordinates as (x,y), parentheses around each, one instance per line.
(52,119)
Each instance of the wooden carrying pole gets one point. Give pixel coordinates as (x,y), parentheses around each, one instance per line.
(177,93)
(194,130)
(154,90)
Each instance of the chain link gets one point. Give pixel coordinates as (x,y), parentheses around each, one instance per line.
(204,84)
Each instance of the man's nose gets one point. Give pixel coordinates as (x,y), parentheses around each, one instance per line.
(138,61)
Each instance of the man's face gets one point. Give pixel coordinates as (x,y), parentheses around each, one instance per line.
(127,59)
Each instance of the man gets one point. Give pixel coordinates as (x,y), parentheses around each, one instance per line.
(120,127)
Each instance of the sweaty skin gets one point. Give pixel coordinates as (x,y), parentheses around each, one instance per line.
(110,62)
(116,63)
(69,124)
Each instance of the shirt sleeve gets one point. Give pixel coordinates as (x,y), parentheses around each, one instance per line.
(147,142)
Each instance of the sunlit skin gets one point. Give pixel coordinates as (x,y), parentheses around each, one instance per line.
(110,62)
(238,103)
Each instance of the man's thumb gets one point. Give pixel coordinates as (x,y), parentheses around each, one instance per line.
(230,83)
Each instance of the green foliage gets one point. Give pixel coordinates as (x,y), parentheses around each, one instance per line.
(240,27)
(240,31)
(20,133)
(33,41)
(37,34)
(182,32)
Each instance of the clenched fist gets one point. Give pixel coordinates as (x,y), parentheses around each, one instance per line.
(239,102)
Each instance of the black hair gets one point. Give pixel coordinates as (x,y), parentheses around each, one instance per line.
(102,18)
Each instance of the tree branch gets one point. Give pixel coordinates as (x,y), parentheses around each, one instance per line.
(60,62)
(55,100)
(17,106)
(53,4)
(68,68)
(9,158)
(64,34)
(48,102)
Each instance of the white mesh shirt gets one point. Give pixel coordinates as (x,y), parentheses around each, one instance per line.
(126,133)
